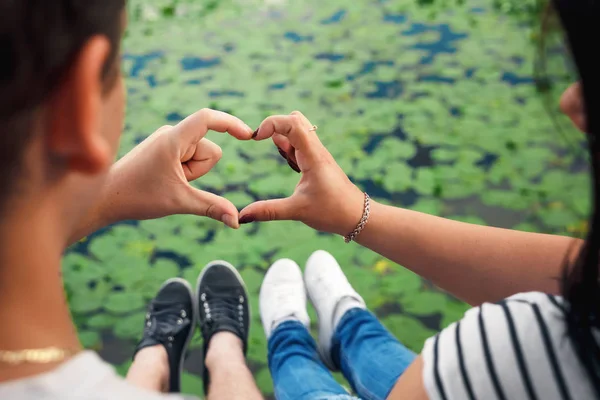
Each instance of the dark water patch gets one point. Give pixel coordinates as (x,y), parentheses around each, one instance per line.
(82,247)
(373,142)
(436,79)
(92,284)
(229,47)
(406,198)
(369,67)
(194,63)
(445,44)
(518,60)
(198,81)
(514,79)
(118,288)
(297,38)
(418,95)
(151,79)
(487,161)
(470,72)
(225,93)
(180,260)
(478,10)
(278,86)
(139,139)
(520,100)
(140,61)
(422,158)
(456,112)
(389,308)
(399,132)
(431,321)
(394,18)
(174,117)
(333,57)
(114,350)
(386,90)
(338,16)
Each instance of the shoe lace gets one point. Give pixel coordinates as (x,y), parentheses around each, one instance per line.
(164,322)
(224,306)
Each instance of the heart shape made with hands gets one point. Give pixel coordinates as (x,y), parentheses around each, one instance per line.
(152,181)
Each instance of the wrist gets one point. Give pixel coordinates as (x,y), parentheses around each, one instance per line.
(352,211)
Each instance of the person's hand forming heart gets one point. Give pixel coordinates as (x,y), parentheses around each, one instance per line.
(152,181)
(325,199)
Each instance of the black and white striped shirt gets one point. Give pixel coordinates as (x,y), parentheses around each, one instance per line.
(516,349)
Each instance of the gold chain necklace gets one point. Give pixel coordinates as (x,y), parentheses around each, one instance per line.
(35,356)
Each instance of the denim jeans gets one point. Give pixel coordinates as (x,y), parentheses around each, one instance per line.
(370,358)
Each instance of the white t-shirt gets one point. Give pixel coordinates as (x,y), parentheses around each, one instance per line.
(85,376)
(516,349)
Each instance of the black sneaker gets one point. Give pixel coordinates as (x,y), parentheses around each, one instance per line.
(222,306)
(171,321)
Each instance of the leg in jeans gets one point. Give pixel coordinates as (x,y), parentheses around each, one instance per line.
(370,358)
(297,370)
(350,337)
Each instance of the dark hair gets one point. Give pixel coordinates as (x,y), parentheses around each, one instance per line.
(38,42)
(580,281)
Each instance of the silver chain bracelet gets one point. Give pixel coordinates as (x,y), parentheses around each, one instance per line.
(363,221)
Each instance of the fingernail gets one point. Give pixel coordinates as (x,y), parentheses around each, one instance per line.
(293,166)
(230,221)
(255,134)
(248,128)
(282,153)
(247,219)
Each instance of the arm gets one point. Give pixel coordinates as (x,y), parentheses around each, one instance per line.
(151,181)
(410,385)
(473,262)
(476,263)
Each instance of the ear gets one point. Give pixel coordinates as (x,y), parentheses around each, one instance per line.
(74,112)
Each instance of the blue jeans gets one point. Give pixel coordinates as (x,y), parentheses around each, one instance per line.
(370,358)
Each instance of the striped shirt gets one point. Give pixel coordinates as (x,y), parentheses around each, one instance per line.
(516,349)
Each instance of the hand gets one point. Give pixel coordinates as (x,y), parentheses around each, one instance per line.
(152,180)
(324,199)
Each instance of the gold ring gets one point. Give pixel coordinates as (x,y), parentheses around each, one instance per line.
(313,129)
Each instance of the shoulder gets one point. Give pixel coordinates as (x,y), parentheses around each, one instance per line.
(517,348)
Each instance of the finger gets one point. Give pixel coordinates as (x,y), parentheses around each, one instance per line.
(287,152)
(282,143)
(210,205)
(296,130)
(195,127)
(201,158)
(269,210)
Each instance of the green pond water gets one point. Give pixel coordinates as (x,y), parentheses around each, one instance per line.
(425,108)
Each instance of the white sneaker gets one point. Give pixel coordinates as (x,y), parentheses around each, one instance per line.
(332,295)
(283,296)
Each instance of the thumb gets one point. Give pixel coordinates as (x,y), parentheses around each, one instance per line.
(269,210)
(210,205)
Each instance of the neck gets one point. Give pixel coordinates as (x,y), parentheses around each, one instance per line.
(33,307)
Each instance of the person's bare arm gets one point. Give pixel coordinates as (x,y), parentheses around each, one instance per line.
(475,263)
(410,385)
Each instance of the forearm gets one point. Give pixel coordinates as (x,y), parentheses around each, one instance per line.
(475,263)
(97,218)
